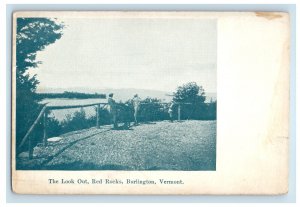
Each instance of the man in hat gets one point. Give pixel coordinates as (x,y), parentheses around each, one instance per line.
(113,110)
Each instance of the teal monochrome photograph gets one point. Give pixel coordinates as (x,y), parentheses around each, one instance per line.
(115,93)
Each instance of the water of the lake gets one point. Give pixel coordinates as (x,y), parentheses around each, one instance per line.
(61,114)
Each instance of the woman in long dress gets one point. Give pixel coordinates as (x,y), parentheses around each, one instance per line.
(136,102)
(170,111)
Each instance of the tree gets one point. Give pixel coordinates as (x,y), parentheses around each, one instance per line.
(152,110)
(192,98)
(33,35)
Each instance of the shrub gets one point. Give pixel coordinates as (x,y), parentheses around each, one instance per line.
(77,122)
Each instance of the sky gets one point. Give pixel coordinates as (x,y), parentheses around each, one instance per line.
(153,54)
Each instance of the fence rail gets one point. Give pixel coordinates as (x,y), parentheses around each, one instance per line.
(44,112)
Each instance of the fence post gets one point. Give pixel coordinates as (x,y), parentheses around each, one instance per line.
(98,111)
(179,112)
(30,148)
(45,129)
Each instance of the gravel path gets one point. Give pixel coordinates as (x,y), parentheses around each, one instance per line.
(186,145)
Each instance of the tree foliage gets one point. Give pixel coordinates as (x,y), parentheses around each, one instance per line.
(152,110)
(33,35)
(190,93)
(193,98)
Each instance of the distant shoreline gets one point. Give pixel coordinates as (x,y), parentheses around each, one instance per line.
(125,93)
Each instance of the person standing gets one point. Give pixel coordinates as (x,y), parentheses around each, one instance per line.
(136,102)
(170,111)
(112,110)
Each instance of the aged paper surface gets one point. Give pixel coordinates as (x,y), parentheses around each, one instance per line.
(252,116)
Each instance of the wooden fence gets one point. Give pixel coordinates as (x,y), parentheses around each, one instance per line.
(44,112)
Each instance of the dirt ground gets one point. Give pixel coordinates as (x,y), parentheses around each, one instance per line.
(185,145)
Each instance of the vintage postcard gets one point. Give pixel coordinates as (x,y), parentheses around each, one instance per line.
(150,103)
